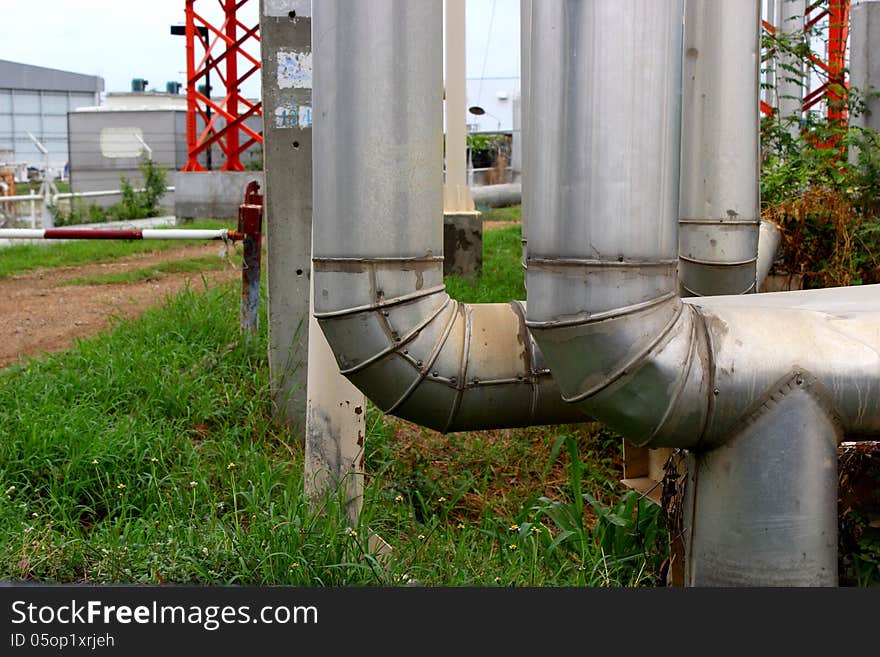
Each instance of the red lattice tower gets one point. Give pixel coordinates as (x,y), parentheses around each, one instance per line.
(221,50)
(832,63)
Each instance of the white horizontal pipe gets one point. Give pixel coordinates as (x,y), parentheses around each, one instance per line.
(20,198)
(183,234)
(96,194)
(68,195)
(22,233)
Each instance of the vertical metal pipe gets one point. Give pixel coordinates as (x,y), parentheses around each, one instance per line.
(378,249)
(720,210)
(250,220)
(250,281)
(790,75)
(763,507)
(865,60)
(603,210)
(388,214)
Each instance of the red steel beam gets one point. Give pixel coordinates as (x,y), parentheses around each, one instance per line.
(832,91)
(221,46)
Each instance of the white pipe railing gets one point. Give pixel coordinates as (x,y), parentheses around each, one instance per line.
(52,199)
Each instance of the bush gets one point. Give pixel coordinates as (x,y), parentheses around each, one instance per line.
(821,186)
(135,204)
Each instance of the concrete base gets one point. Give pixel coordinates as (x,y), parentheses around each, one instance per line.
(211,194)
(462,243)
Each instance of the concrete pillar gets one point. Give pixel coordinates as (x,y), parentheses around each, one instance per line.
(285,38)
(311,396)
(864,59)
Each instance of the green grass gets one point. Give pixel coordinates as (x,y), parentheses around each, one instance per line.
(155,272)
(148,454)
(502,278)
(26,187)
(21,258)
(511,213)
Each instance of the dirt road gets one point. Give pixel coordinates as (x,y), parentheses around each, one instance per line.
(39,312)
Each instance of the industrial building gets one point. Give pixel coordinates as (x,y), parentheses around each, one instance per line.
(109,141)
(36,100)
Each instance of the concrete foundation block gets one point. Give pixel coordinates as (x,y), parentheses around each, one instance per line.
(211,194)
(462,243)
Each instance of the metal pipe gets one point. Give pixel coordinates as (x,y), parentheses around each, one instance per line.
(752,524)
(720,210)
(603,187)
(769,241)
(865,61)
(624,346)
(250,227)
(760,387)
(108,234)
(377,239)
(69,195)
(790,74)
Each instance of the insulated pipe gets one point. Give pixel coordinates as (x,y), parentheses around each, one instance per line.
(498,196)
(769,240)
(377,240)
(761,509)
(603,303)
(790,73)
(759,387)
(603,184)
(720,210)
(864,60)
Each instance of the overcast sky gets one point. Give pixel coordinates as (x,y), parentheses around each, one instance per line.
(124,39)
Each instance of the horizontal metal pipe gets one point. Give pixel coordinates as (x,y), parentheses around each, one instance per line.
(497,196)
(377,241)
(112,234)
(99,193)
(20,198)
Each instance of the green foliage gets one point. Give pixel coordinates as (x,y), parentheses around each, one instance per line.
(135,204)
(479,142)
(145,203)
(626,544)
(820,183)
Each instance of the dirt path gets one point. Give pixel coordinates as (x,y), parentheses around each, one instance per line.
(39,313)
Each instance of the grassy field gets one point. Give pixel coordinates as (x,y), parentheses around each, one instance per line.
(187,265)
(148,454)
(21,258)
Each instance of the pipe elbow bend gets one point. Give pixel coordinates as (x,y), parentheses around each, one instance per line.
(420,355)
